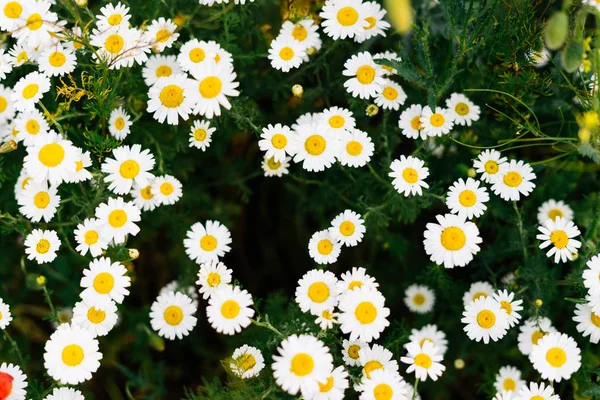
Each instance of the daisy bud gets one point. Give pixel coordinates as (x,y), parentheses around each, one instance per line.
(179,20)
(157,342)
(298,90)
(133,254)
(574,256)
(7,147)
(41,280)
(471,173)
(311,50)
(81,3)
(459,363)
(372,110)
(538,302)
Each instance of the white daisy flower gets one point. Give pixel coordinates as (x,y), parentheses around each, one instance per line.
(388,56)
(463,110)
(37,24)
(339,120)
(12,12)
(213,85)
(22,53)
(201,134)
(172,315)
(514,179)
(38,201)
(536,392)
(324,247)
(7,106)
(315,145)
(12,382)
(32,127)
(22,182)
(71,355)
(591,276)
(438,122)
(377,26)
(317,291)
(410,122)
(344,19)
(119,47)
(553,209)
(97,315)
(206,244)
(112,16)
(541,58)
(556,356)
(275,141)
(286,53)
(561,235)
(531,332)
(247,362)
(390,95)
(5,315)
(170,98)
(65,393)
(83,160)
(167,189)
(161,34)
(419,298)
(228,310)
(356,148)
(409,174)
(326,319)
(195,52)
(175,286)
(451,242)
(467,199)
(351,351)
(304,31)
(485,319)
(357,277)
(300,363)
(104,280)
(117,219)
(41,245)
(143,197)
(366,76)
(363,314)
(424,360)
(348,228)
(488,164)
(333,387)
(588,322)
(509,379)
(275,168)
(87,236)
(478,290)
(212,276)
(130,164)
(429,333)
(383,385)
(119,123)
(376,358)
(511,306)
(57,60)
(160,66)
(52,158)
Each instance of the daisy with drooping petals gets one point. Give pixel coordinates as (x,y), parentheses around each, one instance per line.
(556,356)
(591,276)
(410,122)
(97,315)
(366,76)
(377,26)
(588,322)
(324,247)
(247,362)
(356,148)
(390,95)
(315,145)
(317,291)
(57,60)
(87,236)
(42,246)
(201,134)
(286,53)
(117,219)
(560,234)
(333,387)
(105,281)
(478,290)
(357,277)
(351,351)
(488,164)
(326,319)
(363,314)
(113,16)
(485,319)
(160,66)
(161,34)
(553,209)
(348,228)
(419,298)
(509,379)
(531,332)
(467,199)
(275,168)
(536,392)
(172,315)
(167,189)
(12,382)
(344,19)
(228,310)
(171,98)
(130,165)
(213,85)
(50,157)
(339,120)
(275,141)
(5,315)
(511,306)
(463,110)
(211,277)
(206,244)
(424,359)
(71,355)
(383,385)
(119,123)
(429,333)
(300,363)
(29,90)
(451,242)
(65,393)
(38,201)
(514,179)
(388,56)
(438,122)
(376,358)
(143,197)
(32,126)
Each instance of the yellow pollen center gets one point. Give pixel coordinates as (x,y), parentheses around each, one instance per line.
(390,93)
(478,295)
(129,169)
(197,55)
(505,305)
(318,292)
(117,218)
(354,148)
(43,246)
(347,228)
(299,33)
(22,57)
(41,199)
(327,386)
(210,87)
(279,141)
(13,9)
(120,123)
(163,70)
(272,164)
(354,284)
(453,238)
(509,384)
(595,320)
(461,109)
(163,35)
(200,134)
(422,342)
(467,198)
(302,364)
(325,247)
(213,279)
(353,351)
(286,53)
(423,360)
(419,299)
(146,193)
(34,22)
(328,315)
(372,366)
(96,316)
(415,123)
(32,127)
(347,16)
(559,239)
(556,357)
(3,104)
(437,120)
(90,237)
(72,355)
(78,166)
(208,243)
(512,179)
(410,175)
(491,167)
(365,312)
(166,188)
(365,74)
(51,155)
(30,91)
(383,391)
(486,319)
(337,121)
(104,283)
(173,315)
(372,21)
(246,362)
(315,145)
(554,213)
(114,19)
(57,59)
(171,96)
(25,182)
(536,336)
(114,44)
(230,309)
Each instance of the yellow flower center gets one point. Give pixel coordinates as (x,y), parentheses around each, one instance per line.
(509,384)
(390,93)
(353,351)
(129,169)
(171,96)
(3,104)
(365,74)
(173,315)
(114,44)
(347,228)
(166,188)
(299,33)
(347,16)
(372,366)
(32,127)
(453,238)
(554,213)
(230,309)
(327,386)
(286,53)
(279,141)
(115,19)
(486,319)
(57,59)
(245,362)
(34,22)
(210,87)
(336,121)
(163,70)
(30,91)
(104,283)
(13,9)
(197,55)
(383,391)
(365,312)
(595,320)
(467,198)
(146,193)
(328,315)
(200,134)
(208,243)
(559,239)
(423,360)
(90,237)
(422,342)
(72,355)
(41,200)
(512,179)
(410,175)
(25,182)
(419,299)
(478,295)
(461,109)
(96,316)
(163,35)
(556,357)
(491,167)
(272,164)
(315,145)
(22,57)
(536,336)
(318,292)
(43,246)
(437,120)
(537,398)
(213,279)
(325,247)
(51,155)
(120,123)
(302,364)
(372,21)
(117,218)
(505,305)
(415,123)
(354,148)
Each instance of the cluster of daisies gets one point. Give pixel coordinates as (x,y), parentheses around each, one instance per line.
(347,229)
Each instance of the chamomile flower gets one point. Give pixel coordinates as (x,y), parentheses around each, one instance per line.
(509,379)
(419,298)
(488,164)
(476,291)
(5,315)
(211,88)
(315,145)
(333,387)
(211,277)
(41,245)
(351,351)
(114,46)
(541,58)
(363,314)
(286,53)
(22,182)
(377,26)
(206,244)
(143,197)
(348,228)
(326,319)
(39,201)
(247,362)
(317,291)
(357,277)
(536,392)
(167,189)
(366,76)
(588,322)
(88,238)
(32,126)
(29,90)
(383,385)
(104,280)
(50,157)
(201,134)
(425,360)
(65,393)
(324,247)
(339,120)
(37,24)
(275,168)
(117,219)
(304,31)
(300,363)
(463,110)
(591,276)
(410,122)
(376,358)
(57,60)
(7,107)
(12,12)
(556,356)
(390,95)
(71,354)
(511,306)
(12,382)
(96,315)
(195,52)
(112,16)
(451,241)
(160,66)
(170,98)
(172,315)
(514,179)
(161,34)
(119,123)
(531,332)
(22,53)
(560,234)
(485,319)
(387,56)
(344,19)
(429,333)
(276,141)
(130,165)
(438,122)
(83,160)
(228,310)
(553,209)
(356,148)
(409,174)
(467,199)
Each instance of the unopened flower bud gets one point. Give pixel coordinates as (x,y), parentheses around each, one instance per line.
(538,302)
(459,363)
(372,110)
(134,254)
(41,280)
(471,173)
(297,90)
(9,146)
(81,3)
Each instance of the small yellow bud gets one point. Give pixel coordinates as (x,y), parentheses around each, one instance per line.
(41,280)
(311,50)
(9,146)
(585,135)
(81,3)
(574,256)
(539,303)
(471,173)
(298,90)
(586,65)
(134,254)
(157,342)
(372,110)
(179,20)
(459,363)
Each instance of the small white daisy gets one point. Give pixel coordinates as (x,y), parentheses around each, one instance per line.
(553,209)
(119,123)
(211,277)
(588,322)
(419,298)
(96,315)
(275,168)
(130,165)
(143,197)
(228,310)
(57,60)
(383,385)
(344,19)
(591,276)
(286,53)
(377,26)
(348,228)
(211,88)
(38,201)
(463,109)
(247,362)
(201,134)
(12,382)
(478,290)
(560,234)
(485,319)
(376,358)
(436,123)
(170,98)
(32,126)
(65,393)
(276,141)
(556,356)
(160,66)
(366,76)
(514,179)
(5,315)
(429,333)
(390,95)
(363,314)
(467,199)
(351,351)
(339,119)
(488,164)
(409,174)
(326,319)
(172,315)
(317,291)
(425,360)
(410,122)
(167,189)
(511,306)
(356,148)
(29,90)
(41,245)
(161,34)
(324,247)
(51,157)
(315,145)
(206,244)
(531,332)
(509,379)
(117,219)
(333,387)
(535,391)
(104,280)
(357,277)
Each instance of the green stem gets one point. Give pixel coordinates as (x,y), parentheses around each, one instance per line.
(15,348)
(376,175)
(521,231)
(414,396)
(266,324)
(49,302)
